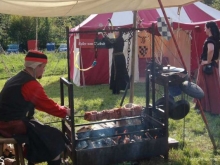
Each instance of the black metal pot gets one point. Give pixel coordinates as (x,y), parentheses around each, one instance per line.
(180,110)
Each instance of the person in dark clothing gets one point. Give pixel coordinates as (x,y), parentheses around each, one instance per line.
(210,82)
(119,74)
(19,98)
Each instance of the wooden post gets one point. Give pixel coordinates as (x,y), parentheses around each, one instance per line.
(36,38)
(133,57)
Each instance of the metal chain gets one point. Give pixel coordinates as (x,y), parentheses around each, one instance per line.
(128,58)
(129,49)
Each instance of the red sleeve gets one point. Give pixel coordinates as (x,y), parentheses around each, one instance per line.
(34,92)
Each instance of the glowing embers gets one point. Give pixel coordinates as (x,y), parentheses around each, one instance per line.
(106,135)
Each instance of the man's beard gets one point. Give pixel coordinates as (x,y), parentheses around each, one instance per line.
(39,77)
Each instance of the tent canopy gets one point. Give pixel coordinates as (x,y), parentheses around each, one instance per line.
(188,14)
(55,8)
(190,42)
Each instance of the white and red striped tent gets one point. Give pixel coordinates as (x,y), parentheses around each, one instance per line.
(190,18)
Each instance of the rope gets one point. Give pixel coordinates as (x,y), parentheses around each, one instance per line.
(86,69)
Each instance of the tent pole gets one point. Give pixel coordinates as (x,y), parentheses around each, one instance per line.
(36,38)
(180,55)
(133,58)
(68,52)
(172,34)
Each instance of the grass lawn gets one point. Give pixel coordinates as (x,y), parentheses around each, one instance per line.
(195,147)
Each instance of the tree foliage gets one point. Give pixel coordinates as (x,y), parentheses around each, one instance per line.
(213,3)
(216,4)
(19,29)
(4,26)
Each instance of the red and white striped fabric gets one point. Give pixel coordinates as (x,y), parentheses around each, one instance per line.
(187,18)
(196,12)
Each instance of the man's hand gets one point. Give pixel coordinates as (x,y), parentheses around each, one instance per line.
(67,110)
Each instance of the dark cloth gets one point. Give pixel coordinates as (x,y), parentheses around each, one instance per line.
(42,142)
(56,162)
(211,87)
(205,49)
(12,103)
(119,74)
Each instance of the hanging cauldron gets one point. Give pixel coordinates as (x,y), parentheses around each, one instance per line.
(192,89)
(177,110)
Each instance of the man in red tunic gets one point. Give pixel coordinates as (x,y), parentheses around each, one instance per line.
(19,98)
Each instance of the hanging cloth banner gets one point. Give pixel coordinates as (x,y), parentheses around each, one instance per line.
(163,28)
(144,46)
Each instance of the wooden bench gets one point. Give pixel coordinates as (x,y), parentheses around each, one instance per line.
(18,149)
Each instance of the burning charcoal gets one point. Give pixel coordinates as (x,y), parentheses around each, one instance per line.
(98,143)
(132,140)
(120,140)
(108,142)
(126,140)
(148,136)
(81,145)
(100,134)
(137,138)
(90,144)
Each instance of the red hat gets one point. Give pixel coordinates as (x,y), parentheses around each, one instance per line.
(36,56)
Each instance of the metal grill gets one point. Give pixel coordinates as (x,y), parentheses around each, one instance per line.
(147,138)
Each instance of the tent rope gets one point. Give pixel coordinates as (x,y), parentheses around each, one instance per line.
(85,69)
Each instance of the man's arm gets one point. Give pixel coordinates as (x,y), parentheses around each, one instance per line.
(34,92)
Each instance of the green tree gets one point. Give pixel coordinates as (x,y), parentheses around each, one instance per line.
(207,2)
(18,29)
(22,29)
(4,26)
(44,32)
(216,4)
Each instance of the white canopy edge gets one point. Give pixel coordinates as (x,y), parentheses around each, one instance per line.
(57,8)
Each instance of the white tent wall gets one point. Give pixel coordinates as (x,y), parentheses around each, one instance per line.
(76,72)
